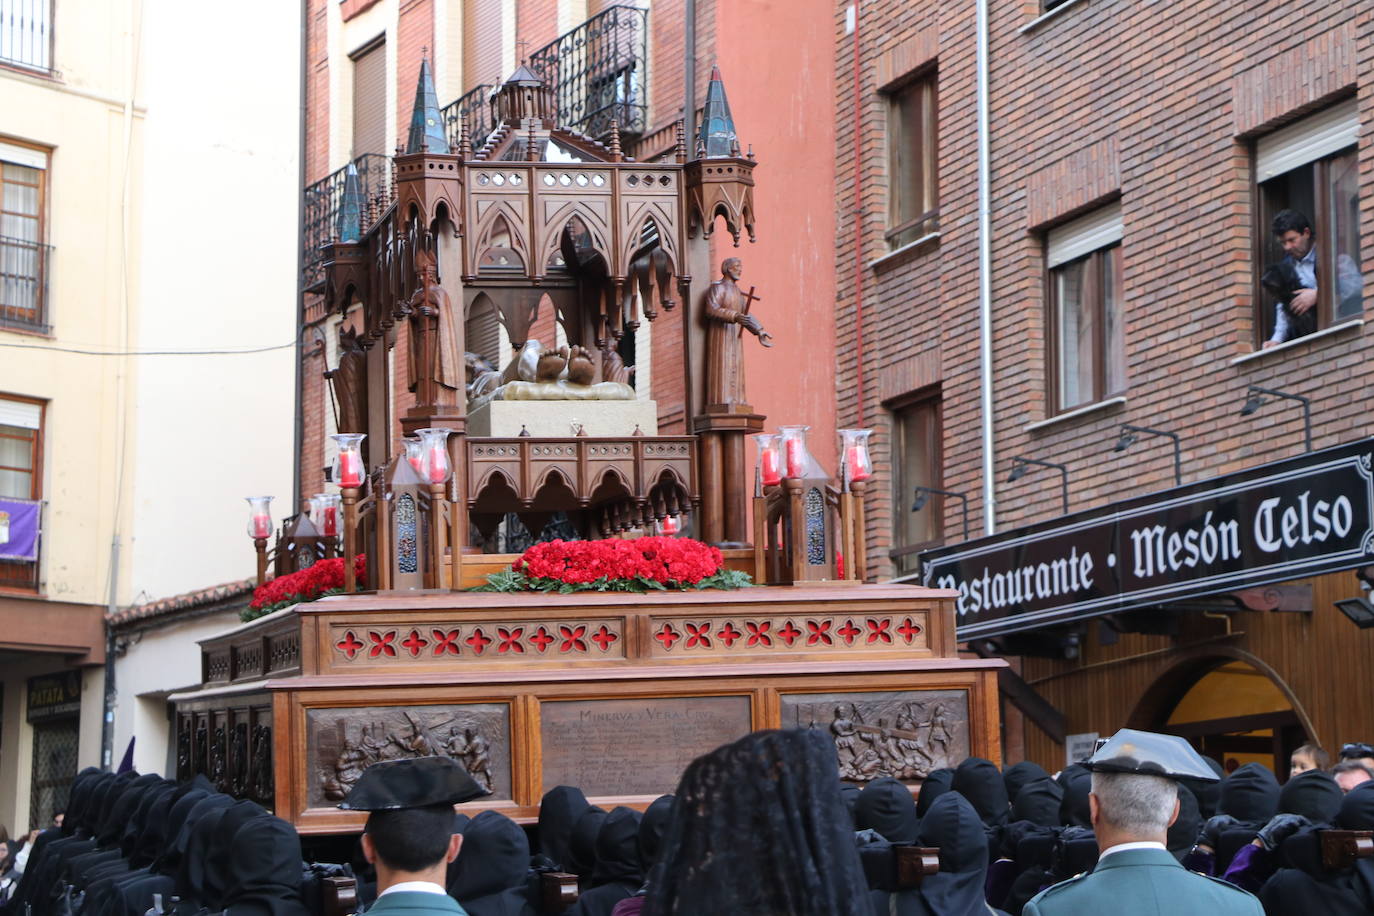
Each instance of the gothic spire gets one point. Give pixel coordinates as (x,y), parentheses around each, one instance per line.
(426,124)
(717,134)
(348,226)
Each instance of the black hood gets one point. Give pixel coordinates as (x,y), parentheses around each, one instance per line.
(93,812)
(936,783)
(1184,830)
(980,782)
(168,856)
(102,826)
(122,811)
(886,806)
(1038,801)
(218,858)
(1073,809)
(134,837)
(850,793)
(1075,852)
(955,827)
(494,858)
(1207,793)
(193,844)
(1250,795)
(651,828)
(1357,808)
(1313,794)
(617,849)
(581,857)
(1020,774)
(83,785)
(558,812)
(265,869)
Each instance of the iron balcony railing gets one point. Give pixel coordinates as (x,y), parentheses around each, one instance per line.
(476,105)
(599,72)
(324,204)
(26,34)
(24,284)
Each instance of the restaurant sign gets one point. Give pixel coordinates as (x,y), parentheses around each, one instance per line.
(1290,519)
(54,696)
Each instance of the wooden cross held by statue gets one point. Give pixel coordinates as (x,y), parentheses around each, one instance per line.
(749,299)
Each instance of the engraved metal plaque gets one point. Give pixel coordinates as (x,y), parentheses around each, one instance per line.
(341,743)
(634,747)
(903,734)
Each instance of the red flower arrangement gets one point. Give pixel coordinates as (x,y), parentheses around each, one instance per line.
(325,577)
(616,564)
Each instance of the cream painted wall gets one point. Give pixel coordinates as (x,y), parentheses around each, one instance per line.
(155,663)
(218,249)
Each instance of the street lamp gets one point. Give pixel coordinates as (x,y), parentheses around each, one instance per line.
(260,529)
(1020,467)
(1256,400)
(923,495)
(1129,437)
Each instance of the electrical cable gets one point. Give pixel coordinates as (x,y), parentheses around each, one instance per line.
(84,352)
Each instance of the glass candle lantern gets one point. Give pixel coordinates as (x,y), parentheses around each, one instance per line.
(770,465)
(854,449)
(434,463)
(327,517)
(259,516)
(348,464)
(414,453)
(795,458)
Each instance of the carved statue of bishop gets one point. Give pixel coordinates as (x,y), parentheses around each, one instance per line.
(727,317)
(434,354)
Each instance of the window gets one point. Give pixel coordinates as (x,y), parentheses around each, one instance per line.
(1309,169)
(23,256)
(369,100)
(1087,359)
(917,462)
(21,443)
(913,154)
(26,33)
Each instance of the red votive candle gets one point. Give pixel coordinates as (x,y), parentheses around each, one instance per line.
(794,458)
(262,526)
(769,469)
(858,469)
(350,470)
(331,521)
(438,464)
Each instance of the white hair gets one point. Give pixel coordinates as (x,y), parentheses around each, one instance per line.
(1134,803)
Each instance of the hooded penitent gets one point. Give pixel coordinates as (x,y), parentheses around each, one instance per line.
(936,783)
(759,828)
(489,874)
(886,806)
(1313,794)
(618,873)
(1305,886)
(1207,792)
(980,782)
(1020,774)
(1038,801)
(265,870)
(581,857)
(558,812)
(1184,830)
(1250,795)
(651,829)
(956,889)
(1073,809)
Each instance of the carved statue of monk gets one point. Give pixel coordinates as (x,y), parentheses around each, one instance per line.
(727,316)
(349,382)
(447,368)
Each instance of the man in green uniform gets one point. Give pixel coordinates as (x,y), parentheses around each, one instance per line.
(409,834)
(1134,800)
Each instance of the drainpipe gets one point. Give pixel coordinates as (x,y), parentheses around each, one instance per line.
(689,76)
(299,421)
(859,266)
(985,273)
(107,711)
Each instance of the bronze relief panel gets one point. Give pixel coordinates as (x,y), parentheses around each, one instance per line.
(903,734)
(342,742)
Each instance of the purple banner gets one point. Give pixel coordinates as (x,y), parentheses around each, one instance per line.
(19,529)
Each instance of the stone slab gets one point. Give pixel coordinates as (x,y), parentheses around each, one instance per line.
(555,419)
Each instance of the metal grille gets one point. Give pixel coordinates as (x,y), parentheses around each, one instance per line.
(599,72)
(26,33)
(24,284)
(323,200)
(54,765)
(477,107)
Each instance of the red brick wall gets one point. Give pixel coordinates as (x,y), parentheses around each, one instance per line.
(414,31)
(1099,100)
(317,92)
(536,22)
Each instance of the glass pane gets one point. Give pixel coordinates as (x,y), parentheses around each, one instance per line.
(24,228)
(19,198)
(16,453)
(911,147)
(1114,321)
(1074,331)
(1344,232)
(16,484)
(917,465)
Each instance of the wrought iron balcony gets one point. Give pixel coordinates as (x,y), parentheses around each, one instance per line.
(324,203)
(476,105)
(26,34)
(24,284)
(599,72)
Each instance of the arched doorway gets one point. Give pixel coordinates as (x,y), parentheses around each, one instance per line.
(1233,708)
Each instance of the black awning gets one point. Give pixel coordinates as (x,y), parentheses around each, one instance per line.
(1299,517)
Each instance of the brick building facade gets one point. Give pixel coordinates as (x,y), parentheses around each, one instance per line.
(1137,155)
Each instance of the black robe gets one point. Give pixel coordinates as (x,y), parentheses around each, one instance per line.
(489,877)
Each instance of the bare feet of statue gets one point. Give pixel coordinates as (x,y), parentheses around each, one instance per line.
(581,366)
(550,365)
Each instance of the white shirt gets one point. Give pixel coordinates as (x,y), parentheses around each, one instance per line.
(1124,847)
(419,887)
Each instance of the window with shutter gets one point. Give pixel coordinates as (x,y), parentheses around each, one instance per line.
(369,101)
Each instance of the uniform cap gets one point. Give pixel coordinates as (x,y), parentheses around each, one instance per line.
(1150,754)
(415,782)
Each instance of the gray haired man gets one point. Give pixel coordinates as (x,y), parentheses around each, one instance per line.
(1134,800)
